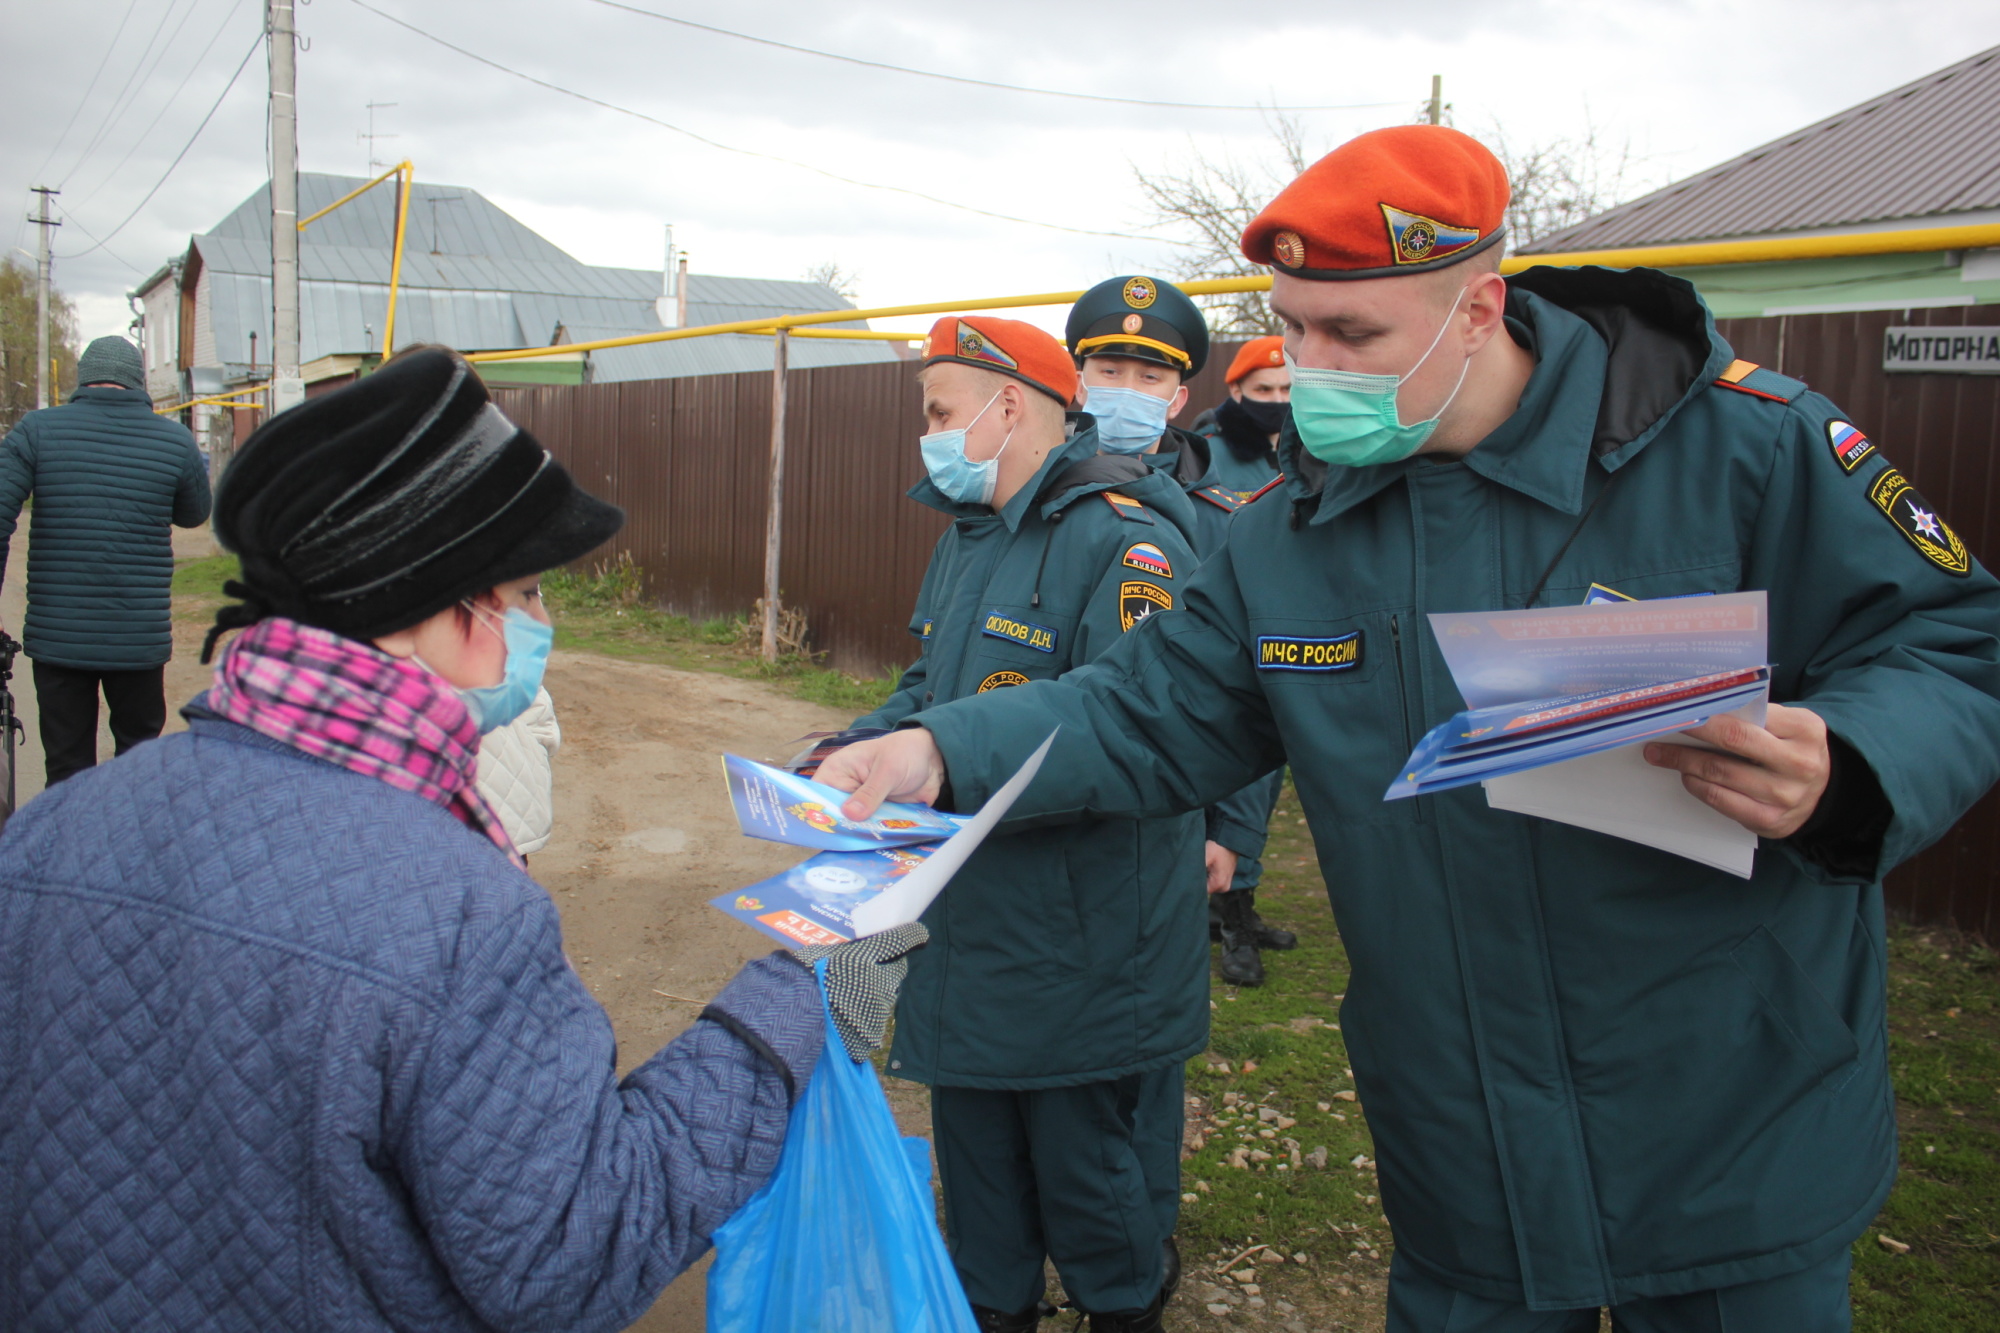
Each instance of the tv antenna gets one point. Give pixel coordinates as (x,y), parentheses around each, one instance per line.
(370,136)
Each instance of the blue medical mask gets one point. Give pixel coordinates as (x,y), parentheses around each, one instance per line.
(1349,419)
(955,475)
(1129,421)
(528,641)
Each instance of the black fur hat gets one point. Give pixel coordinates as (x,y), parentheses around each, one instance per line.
(376,506)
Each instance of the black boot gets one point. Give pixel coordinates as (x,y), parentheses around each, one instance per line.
(1265,936)
(1170,1270)
(1148,1320)
(1240,965)
(999,1321)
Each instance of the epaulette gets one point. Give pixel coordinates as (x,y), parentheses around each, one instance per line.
(1221,498)
(1265,489)
(1126,507)
(1751,378)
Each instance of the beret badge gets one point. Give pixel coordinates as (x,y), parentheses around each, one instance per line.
(1416,239)
(1289,249)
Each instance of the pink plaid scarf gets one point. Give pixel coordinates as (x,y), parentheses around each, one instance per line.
(352,704)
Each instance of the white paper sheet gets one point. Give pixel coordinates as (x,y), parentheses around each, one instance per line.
(1619,793)
(905,900)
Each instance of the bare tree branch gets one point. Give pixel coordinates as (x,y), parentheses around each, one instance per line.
(829,273)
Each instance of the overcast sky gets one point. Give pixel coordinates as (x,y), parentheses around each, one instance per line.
(1685,84)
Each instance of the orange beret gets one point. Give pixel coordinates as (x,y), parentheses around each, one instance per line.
(1257,354)
(1005,345)
(1402,200)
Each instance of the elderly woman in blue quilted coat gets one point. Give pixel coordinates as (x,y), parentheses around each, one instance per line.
(290,1040)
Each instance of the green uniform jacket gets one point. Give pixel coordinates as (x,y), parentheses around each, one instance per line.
(1071,954)
(1245,476)
(1594,1071)
(1240,821)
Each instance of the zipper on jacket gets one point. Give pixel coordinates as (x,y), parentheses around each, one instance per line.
(1402,686)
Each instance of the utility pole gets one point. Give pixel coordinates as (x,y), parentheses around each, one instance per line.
(42,263)
(774,505)
(1437,99)
(287,389)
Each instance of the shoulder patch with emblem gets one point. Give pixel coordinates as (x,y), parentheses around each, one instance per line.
(1138,600)
(1759,382)
(1150,558)
(1000,625)
(1849,445)
(1126,507)
(1285,652)
(1000,680)
(1892,493)
(1222,497)
(925,632)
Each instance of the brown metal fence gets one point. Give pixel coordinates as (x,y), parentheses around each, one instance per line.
(689,459)
(1940,430)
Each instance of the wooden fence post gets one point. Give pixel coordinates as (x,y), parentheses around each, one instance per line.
(775,509)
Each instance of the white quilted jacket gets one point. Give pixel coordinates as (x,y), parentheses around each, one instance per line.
(516,776)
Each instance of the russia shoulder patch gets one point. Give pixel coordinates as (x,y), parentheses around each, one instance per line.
(1849,445)
(1126,507)
(1899,502)
(1150,558)
(1136,601)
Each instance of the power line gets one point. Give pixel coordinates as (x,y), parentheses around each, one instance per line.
(193,66)
(88,89)
(144,82)
(979,83)
(118,99)
(750,152)
(178,156)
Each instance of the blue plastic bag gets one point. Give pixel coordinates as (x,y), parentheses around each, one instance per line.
(843,1236)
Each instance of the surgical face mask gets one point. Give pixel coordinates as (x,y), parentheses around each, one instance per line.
(1129,421)
(528,641)
(957,476)
(1349,419)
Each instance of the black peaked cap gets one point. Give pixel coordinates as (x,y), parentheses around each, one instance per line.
(371,508)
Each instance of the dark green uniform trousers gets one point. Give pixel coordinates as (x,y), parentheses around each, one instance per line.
(1813,1300)
(1087,1175)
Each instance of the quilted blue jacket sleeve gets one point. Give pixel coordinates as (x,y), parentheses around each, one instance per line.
(556,1195)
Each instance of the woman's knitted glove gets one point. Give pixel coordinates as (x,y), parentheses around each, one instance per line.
(862,978)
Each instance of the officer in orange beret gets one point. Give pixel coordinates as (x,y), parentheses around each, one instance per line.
(1597,1074)
(1066,980)
(1243,428)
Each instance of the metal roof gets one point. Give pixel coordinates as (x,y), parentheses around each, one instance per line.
(1921,153)
(473,277)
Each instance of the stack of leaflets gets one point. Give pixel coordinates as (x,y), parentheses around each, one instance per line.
(870,874)
(1562,701)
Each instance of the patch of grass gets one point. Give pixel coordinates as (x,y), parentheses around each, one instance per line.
(204,578)
(1277,1048)
(1944,1053)
(605,611)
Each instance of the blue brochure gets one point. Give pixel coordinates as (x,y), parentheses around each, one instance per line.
(784,807)
(1483,743)
(814,901)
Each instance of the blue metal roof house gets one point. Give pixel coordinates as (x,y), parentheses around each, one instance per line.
(473,277)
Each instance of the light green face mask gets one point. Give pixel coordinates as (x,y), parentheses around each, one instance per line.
(1349,419)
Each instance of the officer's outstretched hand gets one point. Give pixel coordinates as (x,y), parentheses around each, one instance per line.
(1773,776)
(902,766)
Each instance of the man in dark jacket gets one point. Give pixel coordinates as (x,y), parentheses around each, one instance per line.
(1066,980)
(109,479)
(1244,427)
(1137,341)
(1597,1074)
